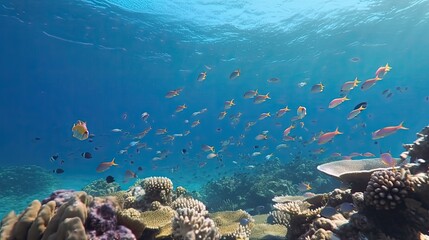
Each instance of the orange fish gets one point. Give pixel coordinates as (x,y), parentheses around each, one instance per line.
(105,165)
(221,115)
(369,83)
(195,123)
(337,101)
(349,85)
(229,104)
(301,112)
(234,74)
(261,98)
(326,137)
(250,94)
(282,112)
(173,93)
(384,132)
(129,174)
(80,131)
(381,71)
(181,108)
(202,76)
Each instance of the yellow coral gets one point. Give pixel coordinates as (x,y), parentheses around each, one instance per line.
(42,220)
(158,218)
(131,218)
(268,231)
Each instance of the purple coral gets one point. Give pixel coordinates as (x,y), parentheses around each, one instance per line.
(59,196)
(120,233)
(102,217)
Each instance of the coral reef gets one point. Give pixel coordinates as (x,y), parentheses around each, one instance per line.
(158,189)
(100,187)
(254,190)
(233,224)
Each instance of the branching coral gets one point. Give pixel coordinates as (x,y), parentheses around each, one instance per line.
(189,224)
(101,188)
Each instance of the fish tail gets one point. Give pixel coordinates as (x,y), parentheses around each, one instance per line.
(337,132)
(402,127)
(113,162)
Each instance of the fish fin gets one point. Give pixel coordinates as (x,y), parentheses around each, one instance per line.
(337,132)
(113,162)
(402,127)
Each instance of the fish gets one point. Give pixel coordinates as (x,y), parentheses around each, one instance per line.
(381,71)
(301,112)
(116,130)
(221,115)
(369,83)
(110,179)
(249,167)
(362,104)
(174,93)
(161,131)
(317,88)
(144,116)
(261,137)
(281,146)
(195,123)
(302,84)
(286,132)
(207,148)
(355,112)
(181,108)
(337,101)
(235,74)
(54,158)
(261,98)
(326,137)
(58,171)
(328,211)
(133,143)
(105,166)
(368,154)
(282,112)
(346,207)
(264,115)
(269,156)
(388,160)
(255,154)
(129,174)
(86,155)
(250,94)
(211,155)
(273,80)
(304,187)
(386,131)
(228,104)
(202,76)
(80,130)
(244,221)
(349,85)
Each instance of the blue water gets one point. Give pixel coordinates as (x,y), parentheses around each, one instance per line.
(98,61)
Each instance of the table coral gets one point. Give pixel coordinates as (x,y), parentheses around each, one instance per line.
(100,187)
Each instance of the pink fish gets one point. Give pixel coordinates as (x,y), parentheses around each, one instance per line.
(368,154)
(369,83)
(384,132)
(221,115)
(347,86)
(229,104)
(173,93)
(355,112)
(381,71)
(388,160)
(337,101)
(264,115)
(282,112)
(129,174)
(326,137)
(286,132)
(105,165)
(261,98)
